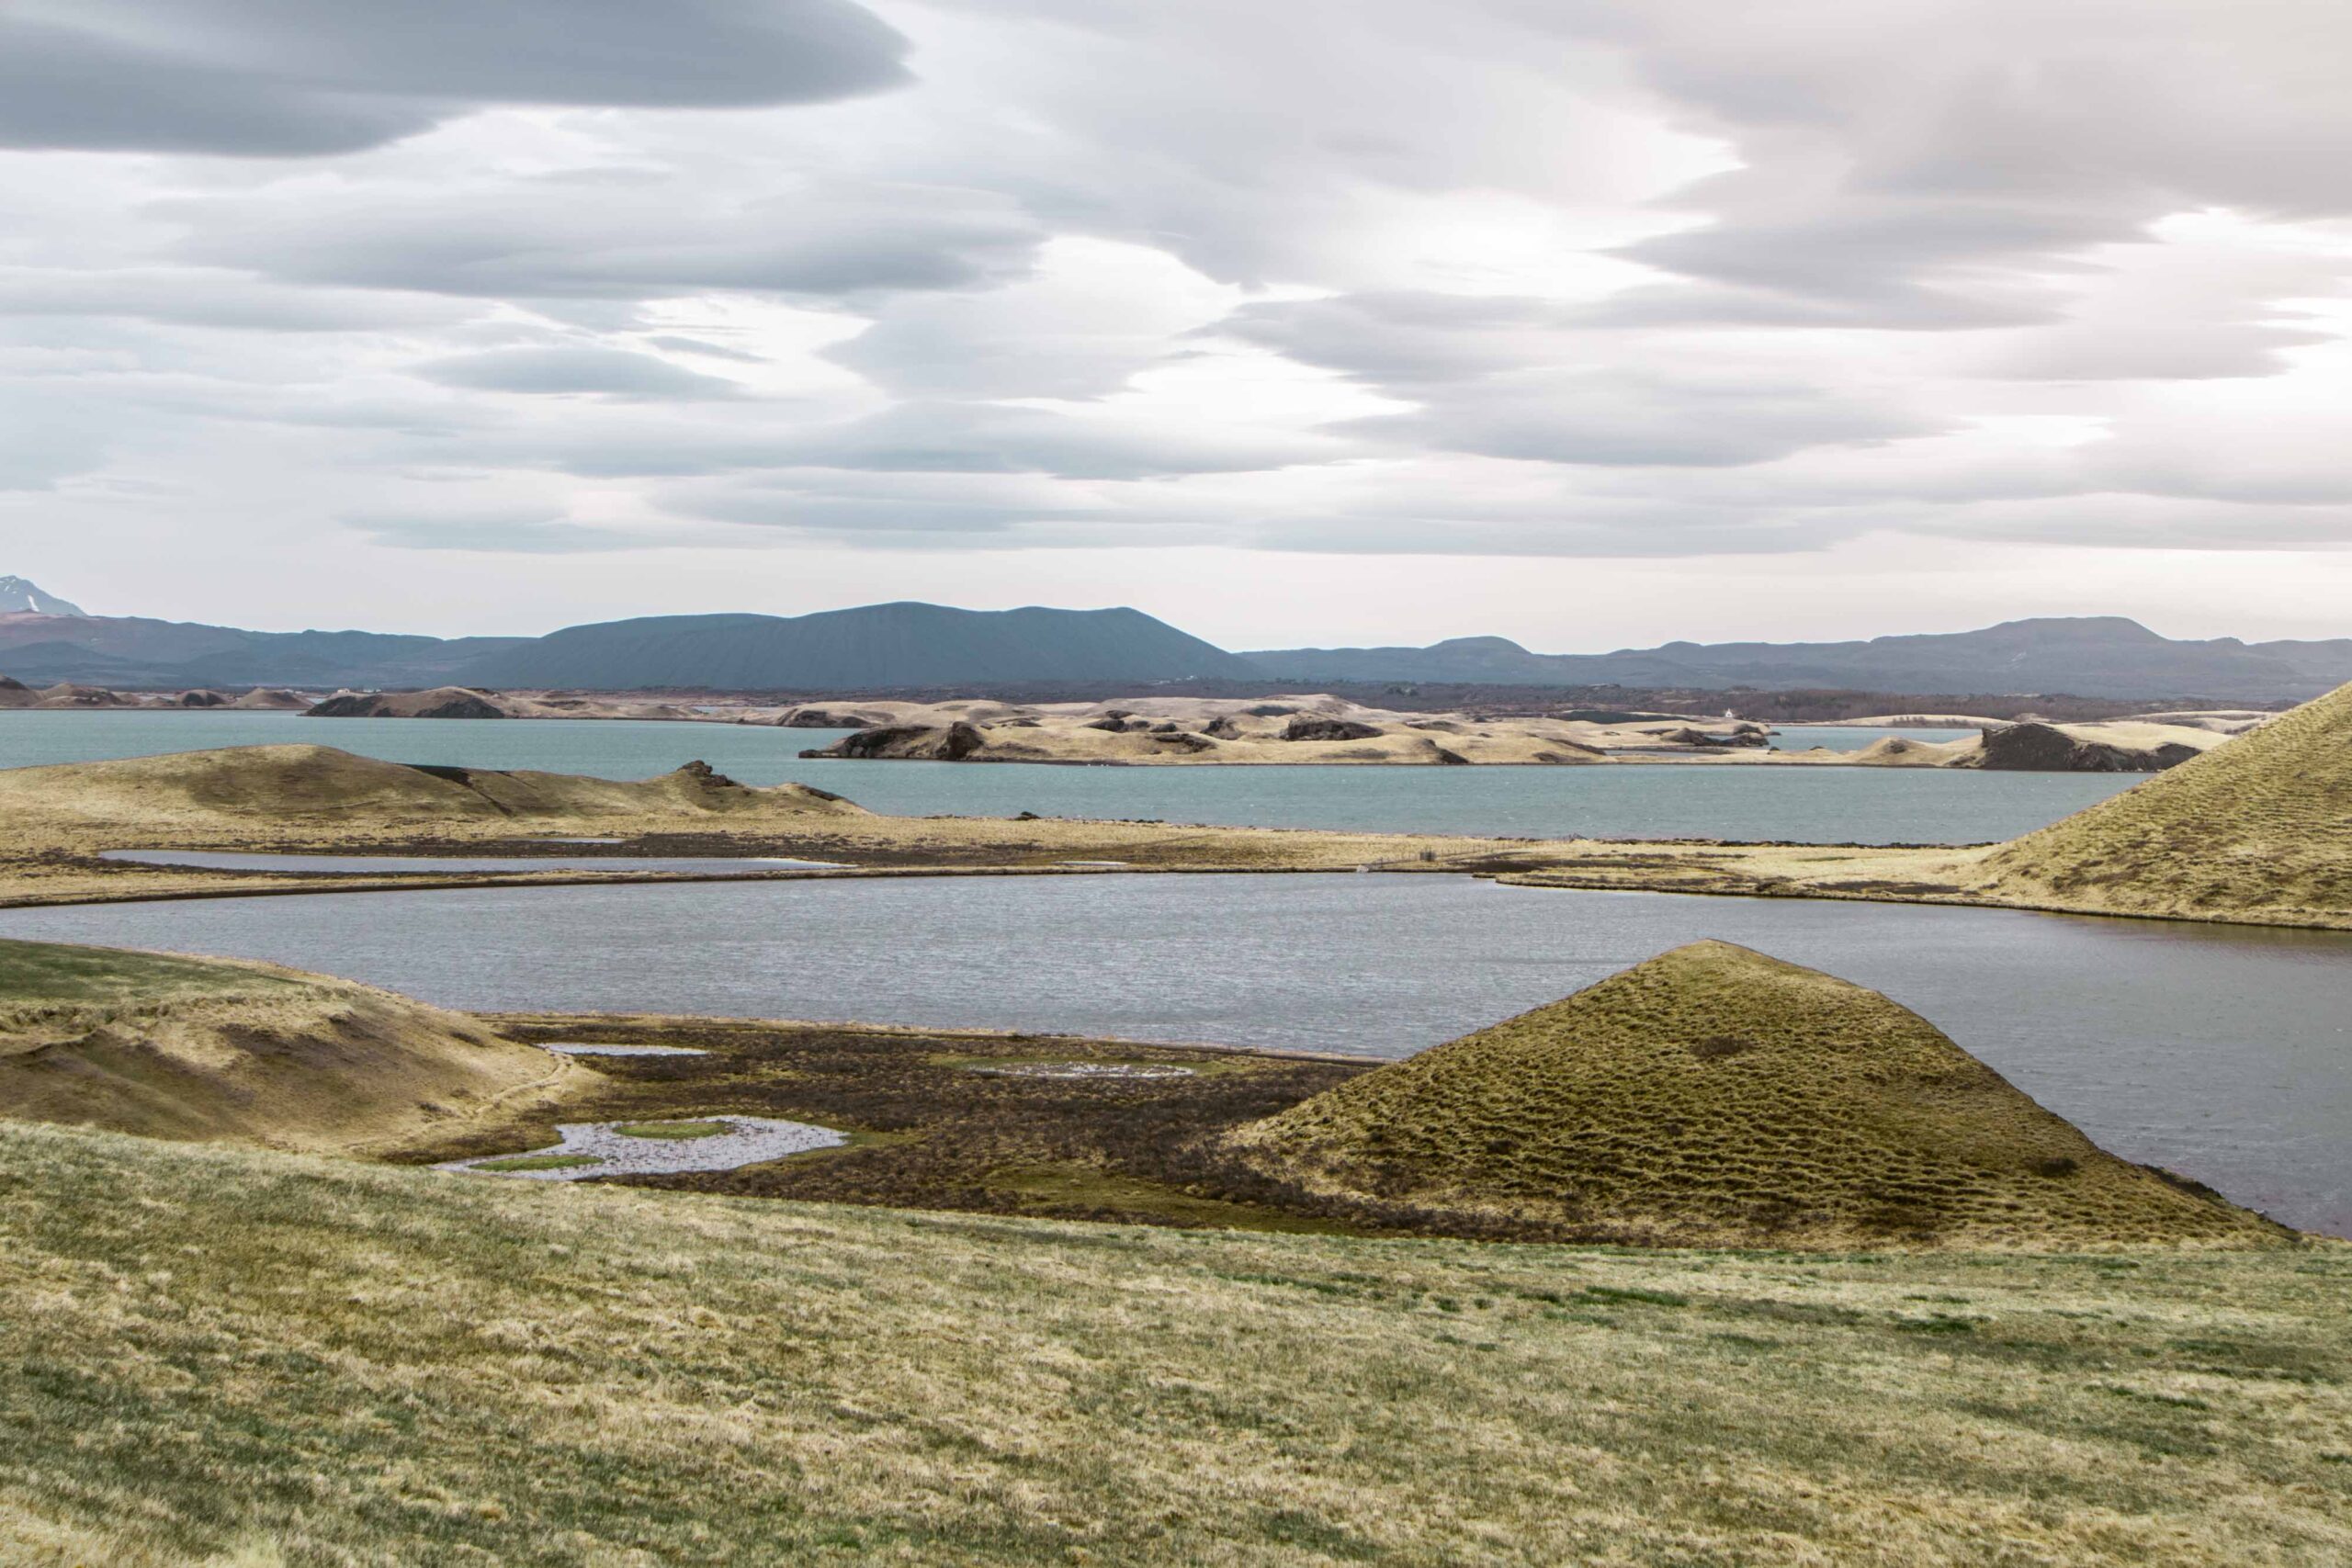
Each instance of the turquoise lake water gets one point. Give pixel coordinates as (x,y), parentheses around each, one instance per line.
(1800,805)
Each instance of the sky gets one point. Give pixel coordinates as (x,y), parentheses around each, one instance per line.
(1588,322)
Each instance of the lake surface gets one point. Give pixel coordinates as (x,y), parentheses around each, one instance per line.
(1799,805)
(2223,1054)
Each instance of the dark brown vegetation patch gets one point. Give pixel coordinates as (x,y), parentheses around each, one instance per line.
(930,1131)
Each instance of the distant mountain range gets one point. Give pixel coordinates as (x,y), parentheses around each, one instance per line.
(2092,656)
(877,646)
(19,597)
(133,652)
(882,647)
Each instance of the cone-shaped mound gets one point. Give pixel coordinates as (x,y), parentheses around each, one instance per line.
(2260,827)
(1716,1097)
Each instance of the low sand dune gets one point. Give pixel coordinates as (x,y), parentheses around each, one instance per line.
(299,785)
(250,1053)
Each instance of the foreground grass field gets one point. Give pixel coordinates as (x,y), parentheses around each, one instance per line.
(216,1355)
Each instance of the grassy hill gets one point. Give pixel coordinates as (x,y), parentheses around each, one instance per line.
(1715,1096)
(188,1048)
(2260,827)
(301,786)
(218,1356)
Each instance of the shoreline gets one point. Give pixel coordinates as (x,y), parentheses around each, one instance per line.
(1561,878)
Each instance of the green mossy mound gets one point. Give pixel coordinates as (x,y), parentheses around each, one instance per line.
(1716,1097)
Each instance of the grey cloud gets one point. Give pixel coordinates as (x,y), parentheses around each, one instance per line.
(696,345)
(558,238)
(521,530)
(609,372)
(205,296)
(1084,321)
(298,77)
(1631,419)
(877,518)
(1904,166)
(925,437)
(1405,337)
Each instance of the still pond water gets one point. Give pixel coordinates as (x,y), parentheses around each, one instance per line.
(1801,805)
(2224,1054)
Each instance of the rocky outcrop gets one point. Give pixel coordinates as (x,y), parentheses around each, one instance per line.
(919,743)
(2046,749)
(1304,728)
(1743,735)
(17,695)
(444,701)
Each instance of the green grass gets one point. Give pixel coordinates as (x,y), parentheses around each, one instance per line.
(49,974)
(214,1352)
(539,1162)
(670,1129)
(1077,1189)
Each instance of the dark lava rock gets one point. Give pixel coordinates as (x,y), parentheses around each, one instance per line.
(1745,735)
(703,773)
(819,718)
(467,707)
(1223,728)
(203,700)
(1181,742)
(1306,729)
(873,742)
(955,743)
(1270,710)
(2043,748)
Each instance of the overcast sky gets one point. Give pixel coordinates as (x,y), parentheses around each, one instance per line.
(1589,322)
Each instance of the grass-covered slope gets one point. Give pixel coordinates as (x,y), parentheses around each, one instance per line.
(216,1355)
(2258,829)
(188,1048)
(300,784)
(1715,1096)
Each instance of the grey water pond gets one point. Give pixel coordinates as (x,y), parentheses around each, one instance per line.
(1804,805)
(447,865)
(2223,1052)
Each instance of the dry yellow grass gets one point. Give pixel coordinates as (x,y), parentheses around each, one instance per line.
(1716,1097)
(212,1049)
(219,1357)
